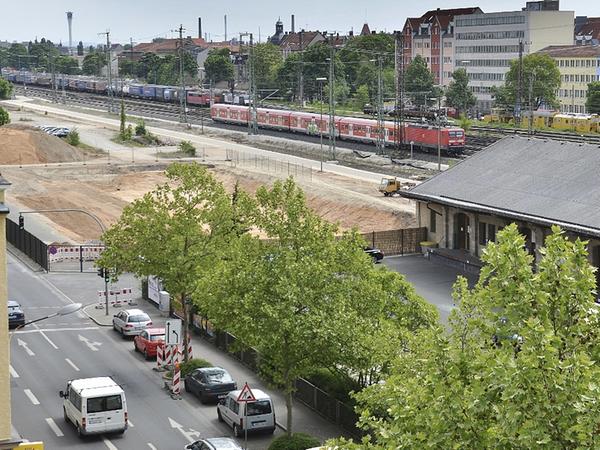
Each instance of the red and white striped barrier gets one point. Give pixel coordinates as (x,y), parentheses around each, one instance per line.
(189,349)
(168,355)
(73,253)
(125,294)
(160,352)
(175,388)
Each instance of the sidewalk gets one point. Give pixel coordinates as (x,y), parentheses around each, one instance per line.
(305,420)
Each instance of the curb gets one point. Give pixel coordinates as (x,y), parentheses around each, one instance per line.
(94,319)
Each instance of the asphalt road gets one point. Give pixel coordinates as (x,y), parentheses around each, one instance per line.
(47,354)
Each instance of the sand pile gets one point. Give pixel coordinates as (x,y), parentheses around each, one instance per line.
(20,144)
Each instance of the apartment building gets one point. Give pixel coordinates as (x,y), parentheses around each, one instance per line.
(432,37)
(486,43)
(579,65)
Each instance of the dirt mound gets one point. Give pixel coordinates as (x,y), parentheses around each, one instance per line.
(20,144)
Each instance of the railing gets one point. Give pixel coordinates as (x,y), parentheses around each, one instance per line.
(27,243)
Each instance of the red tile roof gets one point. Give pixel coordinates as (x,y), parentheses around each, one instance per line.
(572,51)
(291,41)
(591,28)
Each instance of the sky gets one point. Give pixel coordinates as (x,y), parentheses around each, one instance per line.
(141,20)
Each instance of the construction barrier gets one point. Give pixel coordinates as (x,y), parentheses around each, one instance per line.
(126,297)
(160,352)
(176,389)
(73,253)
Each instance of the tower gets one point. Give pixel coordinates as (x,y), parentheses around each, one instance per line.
(279,27)
(70,22)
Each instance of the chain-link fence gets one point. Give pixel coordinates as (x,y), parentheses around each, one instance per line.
(265,164)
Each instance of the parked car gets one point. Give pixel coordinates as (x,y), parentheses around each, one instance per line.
(260,413)
(374,253)
(221,443)
(16,316)
(148,340)
(131,322)
(209,383)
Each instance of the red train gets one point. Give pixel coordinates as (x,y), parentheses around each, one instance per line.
(452,139)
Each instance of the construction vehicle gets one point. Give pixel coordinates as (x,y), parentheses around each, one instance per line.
(391,186)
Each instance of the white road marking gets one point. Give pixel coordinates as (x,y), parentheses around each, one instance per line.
(151,446)
(91,345)
(129,423)
(13,372)
(62,294)
(189,435)
(32,397)
(71,364)
(46,337)
(55,329)
(109,444)
(25,346)
(54,427)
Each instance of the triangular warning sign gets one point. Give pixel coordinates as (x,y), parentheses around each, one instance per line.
(246,394)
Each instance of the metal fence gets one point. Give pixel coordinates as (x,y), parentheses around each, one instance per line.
(73,258)
(269,165)
(397,242)
(27,243)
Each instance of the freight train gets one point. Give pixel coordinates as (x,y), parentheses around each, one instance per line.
(424,136)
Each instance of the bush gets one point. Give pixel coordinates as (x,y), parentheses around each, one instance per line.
(73,138)
(336,385)
(6,89)
(140,128)
(298,441)
(4,117)
(194,363)
(188,148)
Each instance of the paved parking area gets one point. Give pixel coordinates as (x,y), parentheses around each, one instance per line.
(432,280)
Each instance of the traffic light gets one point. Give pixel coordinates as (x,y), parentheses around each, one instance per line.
(106,275)
(101,272)
(21,222)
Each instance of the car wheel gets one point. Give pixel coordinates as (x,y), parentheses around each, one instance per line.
(122,333)
(186,386)
(79,432)
(114,327)
(219,416)
(146,357)
(237,431)
(202,397)
(135,347)
(65,415)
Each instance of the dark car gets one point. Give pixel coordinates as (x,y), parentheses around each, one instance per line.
(209,383)
(374,253)
(214,444)
(16,316)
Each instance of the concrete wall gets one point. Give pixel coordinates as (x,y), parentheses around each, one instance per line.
(550,28)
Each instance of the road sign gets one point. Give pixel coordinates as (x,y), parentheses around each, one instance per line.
(52,250)
(246,394)
(173,332)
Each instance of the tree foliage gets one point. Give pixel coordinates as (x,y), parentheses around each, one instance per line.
(267,59)
(459,95)
(518,369)
(541,79)
(418,81)
(93,63)
(176,232)
(592,103)
(4,117)
(6,89)
(218,65)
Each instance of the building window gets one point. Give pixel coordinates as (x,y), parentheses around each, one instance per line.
(482,233)
(491,236)
(432,221)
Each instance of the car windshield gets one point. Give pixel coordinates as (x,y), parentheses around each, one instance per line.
(259,407)
(157,337)
(14,308)
(217,376)
(138,318)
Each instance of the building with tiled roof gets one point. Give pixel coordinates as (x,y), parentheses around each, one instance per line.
(432,37)
(579,65)
(587,30)
(296,42)
(365,31)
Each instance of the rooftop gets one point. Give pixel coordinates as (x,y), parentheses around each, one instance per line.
(572,51)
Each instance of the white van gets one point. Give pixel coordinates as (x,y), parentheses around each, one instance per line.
(260,417)
(95,405)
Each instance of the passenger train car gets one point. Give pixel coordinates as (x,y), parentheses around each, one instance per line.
(424,136)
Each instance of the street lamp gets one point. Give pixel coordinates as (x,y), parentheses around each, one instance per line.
(320,80)
(67,309)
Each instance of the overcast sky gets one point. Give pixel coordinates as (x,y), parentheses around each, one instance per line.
(144,19)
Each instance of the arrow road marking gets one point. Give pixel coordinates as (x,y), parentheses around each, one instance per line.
(32,397)
(152,447)
(25,346)
(13,372)
(191,435)
(54,427)
(71,364)
(109,444)
(91,345)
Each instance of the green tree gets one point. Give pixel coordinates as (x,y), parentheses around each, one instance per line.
(361,50)
(592,103)
(540,73)
(128,68)
(518,368)
(418,81)
(66,65)
(459,95)
(4,117)
(122,121)
(6,89)
(267,59)
(218,65)
(177,232)
(301,291)
(361,97)
(148,67)
(93,63)
(17,56)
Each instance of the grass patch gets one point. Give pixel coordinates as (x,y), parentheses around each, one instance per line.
(127,142)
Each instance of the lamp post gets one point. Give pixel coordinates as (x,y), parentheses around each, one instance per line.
(67,309)
(320,80)
(439,128)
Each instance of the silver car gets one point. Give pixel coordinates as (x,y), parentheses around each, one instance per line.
(131,322)
(222,443)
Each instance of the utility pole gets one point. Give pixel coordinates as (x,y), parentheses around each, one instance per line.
(517,114)
(380,112)
(182,96)
(332,101)
(301,74)
(108,72)
(252,113)
(530,123)
(399,79)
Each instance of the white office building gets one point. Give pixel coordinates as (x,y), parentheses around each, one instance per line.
(486,43)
